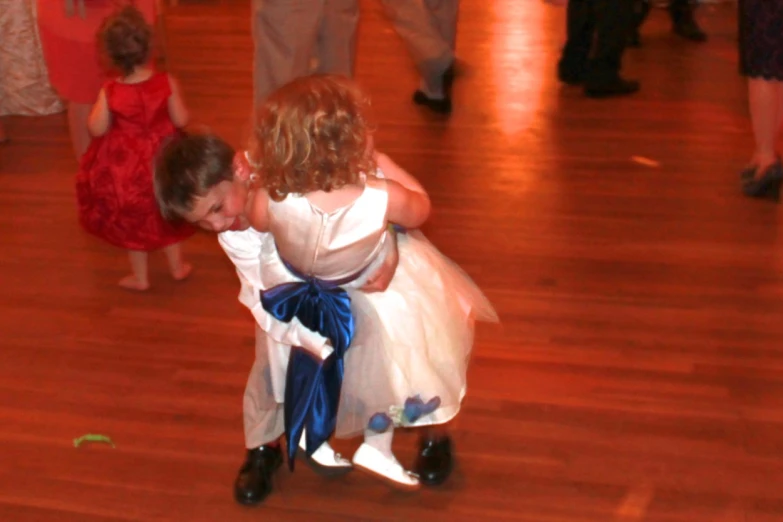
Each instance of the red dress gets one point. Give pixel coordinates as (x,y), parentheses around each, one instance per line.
(114,185)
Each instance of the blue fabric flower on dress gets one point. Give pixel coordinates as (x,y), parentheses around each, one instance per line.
(380,422)
(413,409)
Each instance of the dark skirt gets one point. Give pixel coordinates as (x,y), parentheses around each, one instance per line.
(761,39)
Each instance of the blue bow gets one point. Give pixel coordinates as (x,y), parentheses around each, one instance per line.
(312,389)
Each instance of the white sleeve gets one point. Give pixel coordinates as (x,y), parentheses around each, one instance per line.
(244,249)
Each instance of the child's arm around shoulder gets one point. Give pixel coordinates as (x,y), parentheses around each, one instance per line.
(100,116)
(177,110)
(258,210)
(409,204)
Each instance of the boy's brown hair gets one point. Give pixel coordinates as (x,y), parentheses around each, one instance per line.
(125,38)
(312,134)
(187,168)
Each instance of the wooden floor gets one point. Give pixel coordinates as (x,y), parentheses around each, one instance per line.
(638,370)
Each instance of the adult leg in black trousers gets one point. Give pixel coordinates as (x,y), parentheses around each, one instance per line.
(580,29)
(596,63)
(683,22)
(641,9)
(614,19)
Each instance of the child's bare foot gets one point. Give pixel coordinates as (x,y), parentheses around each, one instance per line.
(131,282)
(182,272)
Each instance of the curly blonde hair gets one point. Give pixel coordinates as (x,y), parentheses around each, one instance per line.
(312,134)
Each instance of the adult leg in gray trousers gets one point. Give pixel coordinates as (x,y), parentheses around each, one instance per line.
(429,30)
(336,48)
(289,34)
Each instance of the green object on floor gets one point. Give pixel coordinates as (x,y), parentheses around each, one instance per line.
(90,437)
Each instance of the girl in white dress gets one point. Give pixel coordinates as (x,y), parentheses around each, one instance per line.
(394,358)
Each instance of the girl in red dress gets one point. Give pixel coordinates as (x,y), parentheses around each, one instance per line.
(134,115)
(67,29)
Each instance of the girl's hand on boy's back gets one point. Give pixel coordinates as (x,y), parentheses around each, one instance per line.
(379,281)
(409,204)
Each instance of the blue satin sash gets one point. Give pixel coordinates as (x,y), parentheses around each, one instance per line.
(312,388)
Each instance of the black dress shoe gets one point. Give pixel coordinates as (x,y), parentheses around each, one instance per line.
(690,30)
(570,77)
(767,186)
(439,105)
(615,87)
(434,463)
(684,24)
(254,481)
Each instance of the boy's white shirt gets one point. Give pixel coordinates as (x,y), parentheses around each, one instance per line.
(246,249)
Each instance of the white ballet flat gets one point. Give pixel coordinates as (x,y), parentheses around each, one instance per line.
(374,462)
(324,456)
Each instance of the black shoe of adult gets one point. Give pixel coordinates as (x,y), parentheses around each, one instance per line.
(437,105)
(612,88)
